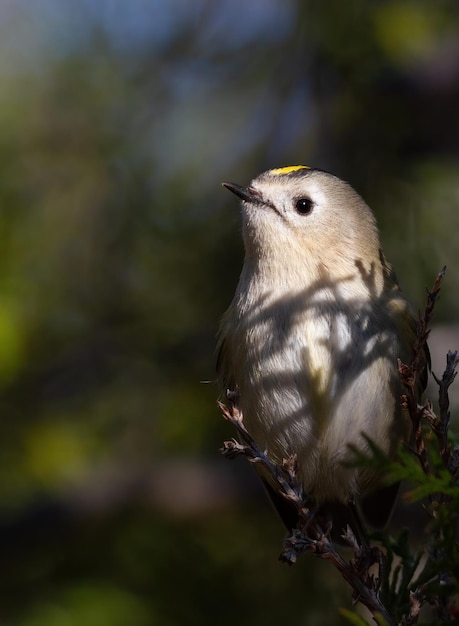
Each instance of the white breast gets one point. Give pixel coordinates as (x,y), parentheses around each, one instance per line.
(313,375)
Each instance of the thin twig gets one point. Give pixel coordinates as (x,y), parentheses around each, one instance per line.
(440,425)
(410,374)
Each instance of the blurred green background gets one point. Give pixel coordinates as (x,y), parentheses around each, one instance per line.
(119,251)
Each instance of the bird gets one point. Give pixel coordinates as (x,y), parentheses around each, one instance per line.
(310,342)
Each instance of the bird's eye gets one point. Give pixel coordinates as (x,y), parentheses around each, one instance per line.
(303,206)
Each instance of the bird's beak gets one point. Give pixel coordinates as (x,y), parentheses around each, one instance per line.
(249,194)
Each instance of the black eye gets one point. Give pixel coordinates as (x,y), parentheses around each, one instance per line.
(303,206)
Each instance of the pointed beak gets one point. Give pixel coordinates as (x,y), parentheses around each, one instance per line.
(245,193)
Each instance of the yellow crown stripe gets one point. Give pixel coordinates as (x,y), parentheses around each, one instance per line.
(280,171)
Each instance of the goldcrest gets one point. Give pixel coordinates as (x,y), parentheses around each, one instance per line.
(311,339)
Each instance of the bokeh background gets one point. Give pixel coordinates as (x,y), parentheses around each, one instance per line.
(119,251)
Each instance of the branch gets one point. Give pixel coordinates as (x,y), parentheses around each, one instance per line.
(311,537)
(439,425)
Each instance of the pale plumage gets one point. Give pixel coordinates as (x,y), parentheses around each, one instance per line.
(312,336)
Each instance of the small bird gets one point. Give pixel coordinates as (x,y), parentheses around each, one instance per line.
(311,339)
